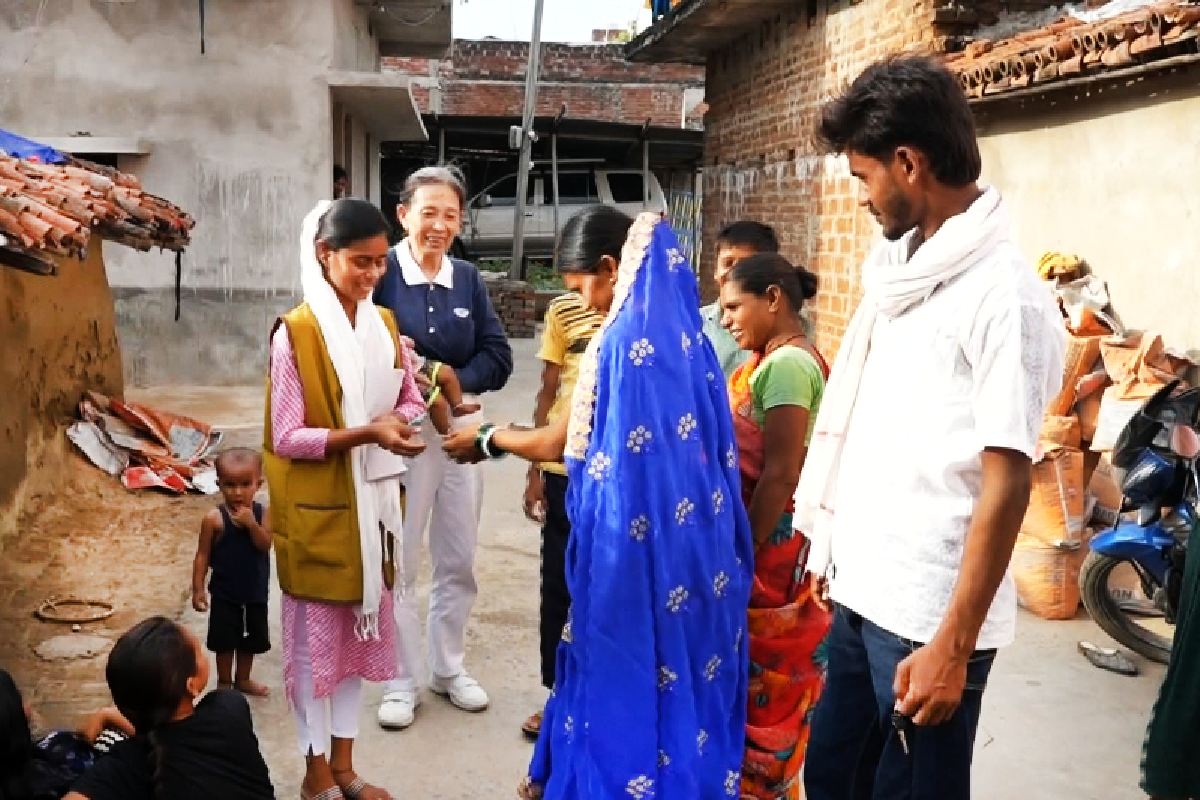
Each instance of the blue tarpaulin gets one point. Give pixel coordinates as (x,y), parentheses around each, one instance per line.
(20,147)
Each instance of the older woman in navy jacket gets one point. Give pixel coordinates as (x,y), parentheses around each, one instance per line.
(443,305)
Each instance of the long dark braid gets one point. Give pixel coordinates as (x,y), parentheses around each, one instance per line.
(148,672)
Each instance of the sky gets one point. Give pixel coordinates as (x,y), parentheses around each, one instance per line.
(562,20)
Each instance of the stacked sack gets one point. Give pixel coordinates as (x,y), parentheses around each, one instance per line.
(1108,374)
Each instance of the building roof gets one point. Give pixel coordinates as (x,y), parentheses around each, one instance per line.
(613,143)
(54,209)
(411,27)
(1071,51)
(694,28)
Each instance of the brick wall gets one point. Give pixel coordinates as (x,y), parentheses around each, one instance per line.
(516,303)
(487,78)
(764,92)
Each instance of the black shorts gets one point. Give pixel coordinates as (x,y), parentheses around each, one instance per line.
(238,627)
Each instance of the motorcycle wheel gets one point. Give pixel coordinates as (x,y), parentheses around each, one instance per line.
(1093,588)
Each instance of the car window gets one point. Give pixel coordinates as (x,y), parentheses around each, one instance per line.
(504,192)
(626,187)
(575,189)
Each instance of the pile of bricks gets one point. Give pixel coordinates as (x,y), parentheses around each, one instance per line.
(516,304)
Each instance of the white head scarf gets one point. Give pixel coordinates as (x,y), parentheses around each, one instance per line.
(355,351)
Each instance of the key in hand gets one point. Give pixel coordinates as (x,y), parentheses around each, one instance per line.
(901,723)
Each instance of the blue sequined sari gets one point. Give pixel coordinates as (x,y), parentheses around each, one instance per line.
(650,700)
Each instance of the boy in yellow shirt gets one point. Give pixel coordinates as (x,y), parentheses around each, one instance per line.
(570,326)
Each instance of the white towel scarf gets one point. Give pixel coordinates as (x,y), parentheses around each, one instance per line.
(893,285)
(356,351)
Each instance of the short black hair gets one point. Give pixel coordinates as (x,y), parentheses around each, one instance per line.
(350,220)
(590,235)
(339,172)
(239,456)
(760,272)
(908,100)
(746,233)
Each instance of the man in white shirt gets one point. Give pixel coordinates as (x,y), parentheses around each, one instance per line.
(919,473)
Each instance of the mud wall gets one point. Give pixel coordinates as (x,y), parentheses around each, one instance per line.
(59,340)
(239,135)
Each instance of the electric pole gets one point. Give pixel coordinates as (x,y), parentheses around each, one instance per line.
(524,138)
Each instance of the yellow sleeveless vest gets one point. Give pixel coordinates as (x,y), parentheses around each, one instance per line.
(314,517)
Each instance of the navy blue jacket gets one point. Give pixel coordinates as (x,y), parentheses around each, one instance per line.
(456,326)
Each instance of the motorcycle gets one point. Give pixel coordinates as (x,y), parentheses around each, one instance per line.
(1158,451)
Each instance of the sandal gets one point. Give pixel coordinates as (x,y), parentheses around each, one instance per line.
(533,726)
(332,793)
(528,790)
(356,788)
(1111,660)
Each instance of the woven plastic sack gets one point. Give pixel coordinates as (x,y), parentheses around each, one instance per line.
(1053,540)
(1058,432)
(1047,577)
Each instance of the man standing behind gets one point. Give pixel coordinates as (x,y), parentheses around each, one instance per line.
(914,523)
(570,326)
(736,241)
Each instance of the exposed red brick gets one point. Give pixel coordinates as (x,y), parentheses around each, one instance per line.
(487,78)
(764,92)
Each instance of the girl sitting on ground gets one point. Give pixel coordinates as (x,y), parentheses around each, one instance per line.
(183,749)
(34,767)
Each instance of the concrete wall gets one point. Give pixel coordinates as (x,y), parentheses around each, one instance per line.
(241,138)
(487,78)
(1111,176)
(59,341)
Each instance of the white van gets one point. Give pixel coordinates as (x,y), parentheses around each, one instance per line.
(488,227)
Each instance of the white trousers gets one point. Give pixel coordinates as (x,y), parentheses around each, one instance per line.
(314,726)
(446,498)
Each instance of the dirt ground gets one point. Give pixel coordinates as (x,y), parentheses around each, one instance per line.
(1053,727)
(94,540)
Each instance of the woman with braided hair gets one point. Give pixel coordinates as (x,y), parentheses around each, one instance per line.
(183,749)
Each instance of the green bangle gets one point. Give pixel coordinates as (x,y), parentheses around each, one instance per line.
(481,436)
(434,395)
(490,449)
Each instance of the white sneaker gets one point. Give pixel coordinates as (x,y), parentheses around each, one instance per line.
(462,690)
(398,710)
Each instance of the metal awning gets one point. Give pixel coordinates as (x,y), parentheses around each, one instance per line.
(416,28)
(381,101)
(695,28)
(612,143)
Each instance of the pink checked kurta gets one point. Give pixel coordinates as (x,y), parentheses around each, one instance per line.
(336,652)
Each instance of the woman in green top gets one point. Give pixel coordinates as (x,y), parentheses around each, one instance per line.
(775,397)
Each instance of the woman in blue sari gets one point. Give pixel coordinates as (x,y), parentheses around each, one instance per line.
(651,674)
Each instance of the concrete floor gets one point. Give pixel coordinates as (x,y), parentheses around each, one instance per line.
(1053,726)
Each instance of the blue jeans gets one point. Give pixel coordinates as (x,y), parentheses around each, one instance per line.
(854,752)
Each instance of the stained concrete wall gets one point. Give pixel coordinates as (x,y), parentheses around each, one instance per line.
(59,340)
(1111,174)
(241,137)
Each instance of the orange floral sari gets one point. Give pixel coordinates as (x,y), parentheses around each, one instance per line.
(787,628)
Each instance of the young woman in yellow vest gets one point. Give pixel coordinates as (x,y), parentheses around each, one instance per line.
(342,401)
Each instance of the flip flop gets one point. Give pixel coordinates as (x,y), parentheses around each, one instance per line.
(1111,660)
